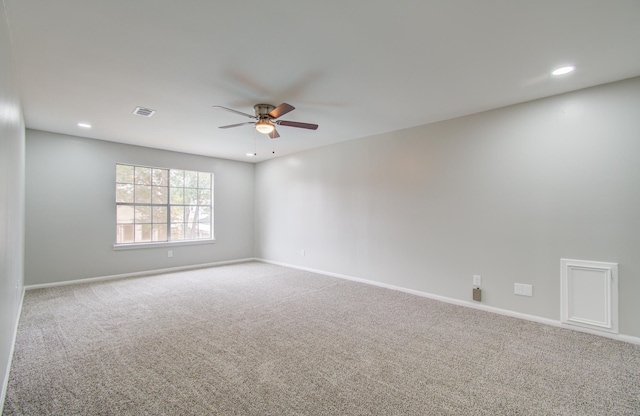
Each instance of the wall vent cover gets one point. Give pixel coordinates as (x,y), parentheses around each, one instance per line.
(145,112)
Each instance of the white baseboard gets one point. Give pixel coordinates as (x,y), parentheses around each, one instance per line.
(468,304)
(138,274)
(5,382)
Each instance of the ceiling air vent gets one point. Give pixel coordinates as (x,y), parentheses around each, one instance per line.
(146,112)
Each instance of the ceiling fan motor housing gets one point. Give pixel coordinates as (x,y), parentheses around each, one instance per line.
(263,110)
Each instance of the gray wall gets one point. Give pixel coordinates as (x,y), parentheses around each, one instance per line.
(70,209)
(11,203)
(504,194)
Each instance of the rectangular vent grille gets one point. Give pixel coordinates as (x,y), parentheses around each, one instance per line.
(146,112)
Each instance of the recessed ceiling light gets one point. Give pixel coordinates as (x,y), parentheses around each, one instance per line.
(251,154)
(563,70)
(84,125)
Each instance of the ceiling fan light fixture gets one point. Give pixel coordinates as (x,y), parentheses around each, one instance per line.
(264,126)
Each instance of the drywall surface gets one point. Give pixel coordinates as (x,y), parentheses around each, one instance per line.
(70,209)
(504,194)
(12,150)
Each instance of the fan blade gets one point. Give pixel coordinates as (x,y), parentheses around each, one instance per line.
(234,111)
(281,110)
(297,124)
(274,134)
(235,125)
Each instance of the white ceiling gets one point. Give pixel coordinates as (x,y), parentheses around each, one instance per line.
(355,67)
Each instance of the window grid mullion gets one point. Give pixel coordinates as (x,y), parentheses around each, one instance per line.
(169,236)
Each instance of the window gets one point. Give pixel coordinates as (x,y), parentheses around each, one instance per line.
(162,205)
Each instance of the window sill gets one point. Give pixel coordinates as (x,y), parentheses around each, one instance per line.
(162,244)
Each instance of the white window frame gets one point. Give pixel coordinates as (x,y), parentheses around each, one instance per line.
(168,205)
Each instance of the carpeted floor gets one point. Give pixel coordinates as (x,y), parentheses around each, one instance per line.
(259,339)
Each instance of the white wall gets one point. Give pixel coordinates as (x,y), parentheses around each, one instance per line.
(70,209)
(11,204)
(504,194)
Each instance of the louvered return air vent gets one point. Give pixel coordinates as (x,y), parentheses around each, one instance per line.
(145,112)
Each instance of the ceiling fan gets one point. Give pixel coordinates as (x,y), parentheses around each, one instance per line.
(266,115)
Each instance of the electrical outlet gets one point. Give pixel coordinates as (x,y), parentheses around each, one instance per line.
(302,252)
(169,253)
(477,280)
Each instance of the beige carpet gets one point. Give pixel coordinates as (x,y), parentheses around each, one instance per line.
(259,339)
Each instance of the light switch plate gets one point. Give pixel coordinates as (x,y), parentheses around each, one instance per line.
(477,280)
